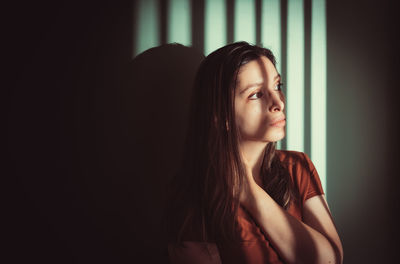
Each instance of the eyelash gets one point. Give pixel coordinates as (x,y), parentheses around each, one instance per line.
(279,85)
(250,97)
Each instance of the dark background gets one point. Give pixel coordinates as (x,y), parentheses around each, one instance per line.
(90,145)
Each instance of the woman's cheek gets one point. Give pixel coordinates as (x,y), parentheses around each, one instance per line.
(249,127)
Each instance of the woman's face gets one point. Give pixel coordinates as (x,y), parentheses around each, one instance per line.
(259,102)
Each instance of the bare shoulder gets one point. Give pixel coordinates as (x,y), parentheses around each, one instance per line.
(194,252)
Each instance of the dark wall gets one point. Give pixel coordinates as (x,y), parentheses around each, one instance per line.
(362,135)
(71,204)
(92,137)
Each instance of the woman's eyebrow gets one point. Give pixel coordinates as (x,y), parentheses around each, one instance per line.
(258,84)
(277,77)
(251,86)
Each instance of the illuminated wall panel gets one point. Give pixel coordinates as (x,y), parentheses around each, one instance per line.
(179,22)
(215,25)
(147,25)
(271,28)
(295,76)
(318,88)
(245,21)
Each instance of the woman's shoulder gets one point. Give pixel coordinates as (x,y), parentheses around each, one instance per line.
(292,157)
(296,162)
(302,171)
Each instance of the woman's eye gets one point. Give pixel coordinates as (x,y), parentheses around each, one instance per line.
(256,95)
(278,87)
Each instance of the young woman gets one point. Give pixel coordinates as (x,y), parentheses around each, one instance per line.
(236,198)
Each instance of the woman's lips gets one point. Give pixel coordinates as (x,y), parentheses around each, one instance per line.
(279,123)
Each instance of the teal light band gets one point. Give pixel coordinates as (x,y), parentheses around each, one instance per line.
(147,25)
(215,25)
(245,21)
(271,31)
(295,76)
(179,22)
(318,88)
(271,28)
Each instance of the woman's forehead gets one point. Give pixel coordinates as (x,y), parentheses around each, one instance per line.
(261,68)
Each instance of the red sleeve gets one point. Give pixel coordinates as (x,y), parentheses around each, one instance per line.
(312,185)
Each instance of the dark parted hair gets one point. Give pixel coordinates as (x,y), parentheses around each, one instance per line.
(204,194)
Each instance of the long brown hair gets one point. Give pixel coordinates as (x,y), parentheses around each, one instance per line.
(204,194)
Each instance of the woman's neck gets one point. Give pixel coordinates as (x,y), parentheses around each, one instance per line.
(254,153)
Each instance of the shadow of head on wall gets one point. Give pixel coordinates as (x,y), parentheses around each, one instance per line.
(157,102)
(154,116)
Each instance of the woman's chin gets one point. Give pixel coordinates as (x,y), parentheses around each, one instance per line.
(271,136)
(276,136)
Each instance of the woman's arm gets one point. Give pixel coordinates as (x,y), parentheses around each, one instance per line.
(314,241)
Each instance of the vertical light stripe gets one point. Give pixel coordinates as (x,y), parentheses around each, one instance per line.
(271,31)
(179,22)
(295,76)
(215,25)
(147,25)
(245,21)
(318,88)
(271,28)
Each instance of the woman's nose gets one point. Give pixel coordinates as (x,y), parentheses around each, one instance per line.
(276,102)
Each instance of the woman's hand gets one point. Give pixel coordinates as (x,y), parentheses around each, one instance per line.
(250,188)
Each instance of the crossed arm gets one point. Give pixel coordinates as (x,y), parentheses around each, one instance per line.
(313,241)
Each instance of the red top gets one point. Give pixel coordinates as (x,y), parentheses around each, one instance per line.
(254,247)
